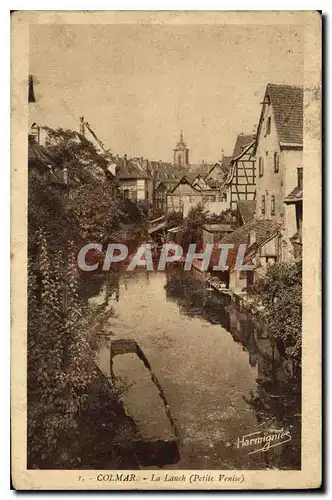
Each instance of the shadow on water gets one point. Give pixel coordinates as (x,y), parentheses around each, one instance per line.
(277,397)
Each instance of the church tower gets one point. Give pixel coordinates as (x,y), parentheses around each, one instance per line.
(181,153)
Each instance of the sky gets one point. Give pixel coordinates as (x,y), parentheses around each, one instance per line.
(138,85)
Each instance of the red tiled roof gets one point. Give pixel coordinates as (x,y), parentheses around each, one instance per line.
(287,103)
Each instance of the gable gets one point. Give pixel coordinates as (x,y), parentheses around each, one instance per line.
(183,188)
(284,104)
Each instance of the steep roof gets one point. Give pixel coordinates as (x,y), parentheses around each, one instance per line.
(226,163)
(242,141)
(287,103)
(224,167)
(247,210)
(263,229)
(182,180)
(130,169)
(294,196)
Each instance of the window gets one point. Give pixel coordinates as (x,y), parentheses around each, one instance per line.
(224,197)
(273,205)
(268,126)
(263,204)
(260,167)
(276,162)
(300,178)
(126,194)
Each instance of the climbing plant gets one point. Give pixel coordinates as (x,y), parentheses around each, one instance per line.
(60,359)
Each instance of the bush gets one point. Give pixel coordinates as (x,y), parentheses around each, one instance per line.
(279,291)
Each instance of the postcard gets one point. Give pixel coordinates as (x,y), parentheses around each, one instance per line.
(166,250)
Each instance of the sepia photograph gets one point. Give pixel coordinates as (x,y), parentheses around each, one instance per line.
(169,179)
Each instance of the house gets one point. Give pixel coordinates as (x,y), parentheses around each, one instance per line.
(199,182)
(161,189)
(241,180)
(217,175)
(135,183)
(278,151)
(183,192)
(262,240)
(213,233)
(192,190)
(274,233)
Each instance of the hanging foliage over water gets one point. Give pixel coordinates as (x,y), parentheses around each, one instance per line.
(280,294)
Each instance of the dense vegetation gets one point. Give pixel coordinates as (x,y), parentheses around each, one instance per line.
(62,374)
(278,294)
(191,226)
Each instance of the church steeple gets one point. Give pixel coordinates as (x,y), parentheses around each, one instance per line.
(181,153)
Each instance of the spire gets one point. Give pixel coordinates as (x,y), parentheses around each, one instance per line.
(181,136)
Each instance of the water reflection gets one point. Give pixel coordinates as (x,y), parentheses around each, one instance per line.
(277,396)
(222,375)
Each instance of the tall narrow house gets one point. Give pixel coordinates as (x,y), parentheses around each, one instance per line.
(278,151)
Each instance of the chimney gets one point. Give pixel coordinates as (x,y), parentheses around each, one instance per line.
(125,161)
(82,128)
(221,156)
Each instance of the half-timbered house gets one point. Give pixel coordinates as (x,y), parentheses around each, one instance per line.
(242,179)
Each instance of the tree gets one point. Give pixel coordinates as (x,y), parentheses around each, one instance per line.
(278,294)
(61,361)
(191,227)
(173,219)
(226,217)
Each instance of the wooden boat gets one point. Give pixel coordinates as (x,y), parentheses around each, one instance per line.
(145,403)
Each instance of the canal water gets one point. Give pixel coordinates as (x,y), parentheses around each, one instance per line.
(222,377)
